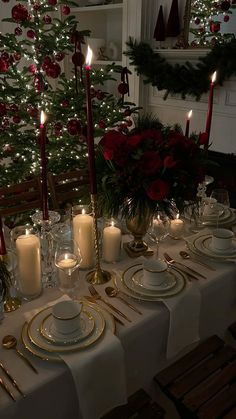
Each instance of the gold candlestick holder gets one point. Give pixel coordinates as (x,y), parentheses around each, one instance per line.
(97,276)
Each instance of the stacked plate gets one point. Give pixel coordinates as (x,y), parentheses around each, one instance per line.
(226,217)
(41,338)
(201,245)
(131,283)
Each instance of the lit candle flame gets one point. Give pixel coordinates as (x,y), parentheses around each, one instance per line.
(213,79)
(177,216)
(89,56)
(190,114)
(42,118)
(27,232)
(112,224)
(83,211)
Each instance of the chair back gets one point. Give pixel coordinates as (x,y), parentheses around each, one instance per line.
(20,197)
(67,186)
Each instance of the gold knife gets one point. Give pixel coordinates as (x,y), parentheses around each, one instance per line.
(92,300)
(6,389)
(186,269)
(11,379)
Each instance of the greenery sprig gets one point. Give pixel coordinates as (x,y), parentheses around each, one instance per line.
(5,279)
(184,79)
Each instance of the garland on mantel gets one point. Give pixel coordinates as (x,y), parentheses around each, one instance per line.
(185,79)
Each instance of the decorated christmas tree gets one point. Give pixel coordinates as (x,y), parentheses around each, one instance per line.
(207,18)
(32,78)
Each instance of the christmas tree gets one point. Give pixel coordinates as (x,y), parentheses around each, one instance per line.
(32,79)
(207,18)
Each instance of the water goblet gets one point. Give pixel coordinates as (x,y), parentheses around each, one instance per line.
(159,228)
(67,259)
(221,197)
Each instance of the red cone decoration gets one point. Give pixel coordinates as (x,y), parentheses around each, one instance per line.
(159,32)
(173,24)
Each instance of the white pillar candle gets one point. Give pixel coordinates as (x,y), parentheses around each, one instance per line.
(176,227)
(111,243)
(29,265)
(84,238)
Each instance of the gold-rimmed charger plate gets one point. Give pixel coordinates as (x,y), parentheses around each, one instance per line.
(38,340)
(126,284)
(137,282)
(199,243)
(49,332)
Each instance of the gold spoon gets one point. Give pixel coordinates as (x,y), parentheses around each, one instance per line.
(186,255)
(10,342)
(113,292)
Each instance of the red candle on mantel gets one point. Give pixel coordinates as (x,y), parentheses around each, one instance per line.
(43,166)
(90,130)
(3,250)
(210,108)
(189,116)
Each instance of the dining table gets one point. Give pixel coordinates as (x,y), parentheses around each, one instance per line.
(88,382)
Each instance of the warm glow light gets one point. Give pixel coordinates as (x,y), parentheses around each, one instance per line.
(112,224)
(177,216)
(27,232)
(89,56)
(213,79)
(83,211)
(190,114)
(42,118)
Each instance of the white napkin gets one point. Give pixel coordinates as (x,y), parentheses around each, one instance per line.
(184,311)
(98,373)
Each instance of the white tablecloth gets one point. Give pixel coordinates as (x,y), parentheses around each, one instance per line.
(51,394)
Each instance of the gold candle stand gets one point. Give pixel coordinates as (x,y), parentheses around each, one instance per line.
(97,276)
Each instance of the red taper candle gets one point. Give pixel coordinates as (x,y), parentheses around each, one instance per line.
(3,250)
(90,129)
(189,116)
(210,109)
(43,157)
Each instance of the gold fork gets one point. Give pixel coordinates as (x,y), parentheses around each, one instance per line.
(97,296)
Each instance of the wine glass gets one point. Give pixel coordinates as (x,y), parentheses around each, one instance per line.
(67,259)
(221,196)
(159,228)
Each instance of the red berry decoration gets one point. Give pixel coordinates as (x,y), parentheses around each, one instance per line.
(215,27)
(226,18)
(46,63)
(197,21)
(47,19)
(123,88)
(73,127)
(225,5)
(5,55)
(19,13)
(53,70)
(59,56)
(16,119)
(18,31)
(17,56)
(100,95)
(4,65)
(66,10)
(33,112)
(52,2)
(78,59)
(31,34)
(36,6)
(32,68)
(14,108)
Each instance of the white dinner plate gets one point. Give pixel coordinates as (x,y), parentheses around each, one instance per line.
(54,357)
(207,244)
(167,284)
(38,340)
(49,332)
(228,221)
(126,284)
(196,245)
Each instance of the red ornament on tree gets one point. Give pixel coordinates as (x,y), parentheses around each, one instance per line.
(102,125)
(226,18)
(4,65)
(19,13)
(18,31)
(74,127)
(36,6)
(225,5)
(3,109)
(47,19)
(16,119)
(59,56)
(65,10)
(78,59)
(65,103)
(31,34)
(17,56)
(53,70)
(57,128)
(197,21)
(100,95)
(52,2)
(14,108)
(215,27)
(33,112)
(123,88)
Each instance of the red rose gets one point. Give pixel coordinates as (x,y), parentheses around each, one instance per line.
(150,162)
(203,138)
(169,162)
(111,142)
(158,190)
(134,140)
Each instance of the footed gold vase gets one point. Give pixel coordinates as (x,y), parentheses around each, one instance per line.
(138,228)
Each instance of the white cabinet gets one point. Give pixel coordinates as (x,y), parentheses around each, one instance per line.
(111,25)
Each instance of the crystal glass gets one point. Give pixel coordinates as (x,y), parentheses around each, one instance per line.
(159,228)
(222,199)
(67,259)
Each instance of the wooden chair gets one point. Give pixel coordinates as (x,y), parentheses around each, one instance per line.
(20,197)
(202,384)
(67,187)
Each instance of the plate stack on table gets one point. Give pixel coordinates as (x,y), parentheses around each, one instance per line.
(226,218)
(200,244)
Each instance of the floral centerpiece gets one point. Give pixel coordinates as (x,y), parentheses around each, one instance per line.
(148,168)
